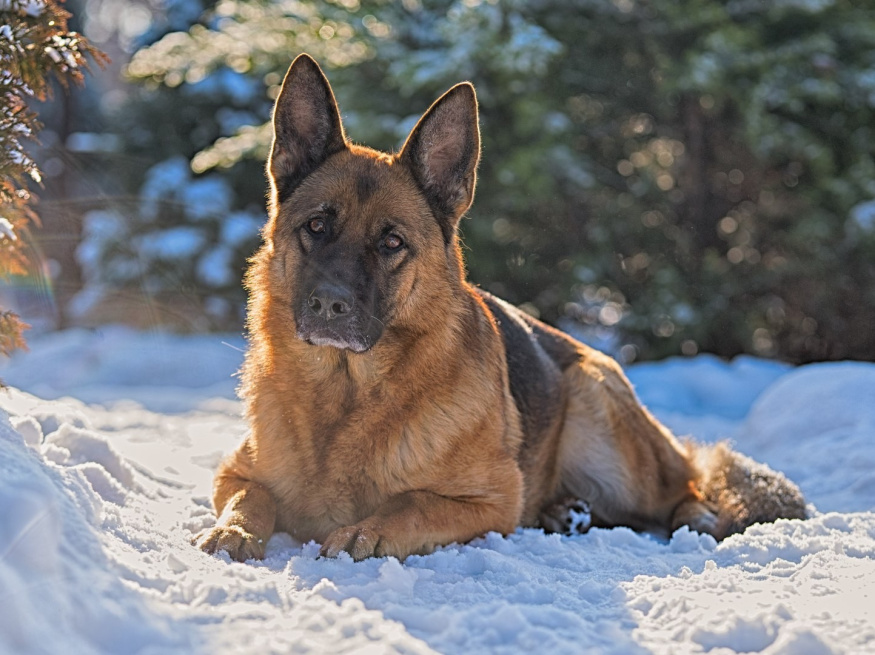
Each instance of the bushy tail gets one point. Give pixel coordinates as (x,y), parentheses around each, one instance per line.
(743,492)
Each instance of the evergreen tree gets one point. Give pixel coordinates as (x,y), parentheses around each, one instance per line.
(180,240)
(35,48)
(659,177)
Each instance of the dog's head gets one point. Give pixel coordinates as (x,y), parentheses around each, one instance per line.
(360,242)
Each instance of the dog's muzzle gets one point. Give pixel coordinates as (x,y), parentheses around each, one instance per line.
(332,317)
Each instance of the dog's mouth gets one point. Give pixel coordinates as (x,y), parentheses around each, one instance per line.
(344,335)
(356,345)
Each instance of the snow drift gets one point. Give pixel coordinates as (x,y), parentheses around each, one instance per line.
(98,502)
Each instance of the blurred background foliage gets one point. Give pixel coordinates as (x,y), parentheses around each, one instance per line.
(658,177)
(38,52)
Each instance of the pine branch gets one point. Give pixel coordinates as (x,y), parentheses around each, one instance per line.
(36,47)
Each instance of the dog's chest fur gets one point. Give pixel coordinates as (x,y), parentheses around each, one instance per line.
(345,437)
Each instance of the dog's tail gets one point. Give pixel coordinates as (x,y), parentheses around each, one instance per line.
(741,491)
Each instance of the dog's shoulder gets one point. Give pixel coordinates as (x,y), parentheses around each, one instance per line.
(526,337)
(536,356)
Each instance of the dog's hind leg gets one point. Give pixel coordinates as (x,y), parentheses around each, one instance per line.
(616,456)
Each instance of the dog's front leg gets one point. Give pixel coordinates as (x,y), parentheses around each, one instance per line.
(247,514)
(416,521)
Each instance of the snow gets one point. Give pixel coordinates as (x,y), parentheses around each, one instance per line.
(7,231)
(863,215)
(203,198)
(163,180)
(215,269)
(100,228)
(31,8)
(181,242)
(238,227)
(93,142)
(109,439)
(206,197)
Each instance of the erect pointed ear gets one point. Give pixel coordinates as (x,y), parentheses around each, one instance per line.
(442,152)
(306,127)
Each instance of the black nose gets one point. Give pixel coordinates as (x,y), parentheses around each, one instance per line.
(330,301)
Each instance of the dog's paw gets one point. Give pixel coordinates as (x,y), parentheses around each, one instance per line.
(699,517)
(239,544)
(569,516)
(359,541)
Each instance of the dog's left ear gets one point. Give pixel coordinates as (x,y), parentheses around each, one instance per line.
(442,152)
(306,124)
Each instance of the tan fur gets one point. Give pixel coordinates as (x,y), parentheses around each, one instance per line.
(418,441)
(743,491)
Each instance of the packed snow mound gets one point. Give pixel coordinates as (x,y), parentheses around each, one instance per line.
(705,384)
(98,504)
(61,592)
(818,423)
(161,371)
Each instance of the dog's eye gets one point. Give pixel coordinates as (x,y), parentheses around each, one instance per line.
(316,226)
(392,242)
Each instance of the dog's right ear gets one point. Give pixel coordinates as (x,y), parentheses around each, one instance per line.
(306,127)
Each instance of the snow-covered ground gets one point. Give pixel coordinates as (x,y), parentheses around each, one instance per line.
(105,474)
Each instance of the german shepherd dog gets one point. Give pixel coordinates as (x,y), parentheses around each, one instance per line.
(394,407)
